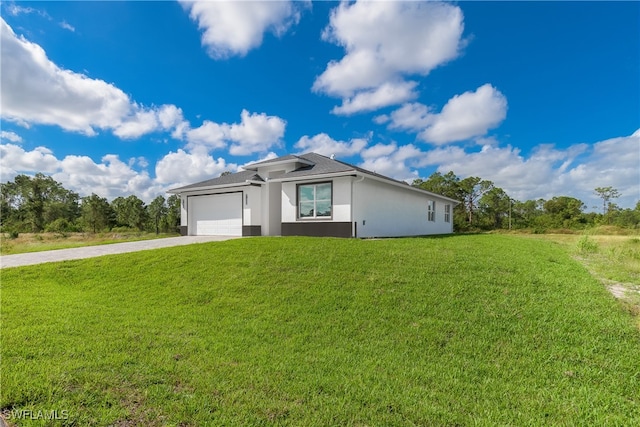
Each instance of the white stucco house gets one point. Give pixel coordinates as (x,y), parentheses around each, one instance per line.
(311,195)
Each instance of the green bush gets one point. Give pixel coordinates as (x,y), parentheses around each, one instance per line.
(60,225)
(586,245)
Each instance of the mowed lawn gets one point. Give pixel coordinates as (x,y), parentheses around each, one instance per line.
(462,330)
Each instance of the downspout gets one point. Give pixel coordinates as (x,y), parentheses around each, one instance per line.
(353,206)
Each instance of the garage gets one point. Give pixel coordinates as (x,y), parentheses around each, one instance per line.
(215,215)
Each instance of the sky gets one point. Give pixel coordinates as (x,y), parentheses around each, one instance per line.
(119,98)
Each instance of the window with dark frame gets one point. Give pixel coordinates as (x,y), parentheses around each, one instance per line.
(315,200)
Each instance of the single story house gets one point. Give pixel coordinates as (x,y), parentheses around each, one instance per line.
(311,195)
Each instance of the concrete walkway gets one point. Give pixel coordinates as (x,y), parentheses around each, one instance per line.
(32,258)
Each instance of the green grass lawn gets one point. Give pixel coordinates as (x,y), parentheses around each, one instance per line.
(463,330)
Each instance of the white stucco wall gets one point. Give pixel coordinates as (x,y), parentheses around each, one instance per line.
(386,210)
(252,200)
(341,199)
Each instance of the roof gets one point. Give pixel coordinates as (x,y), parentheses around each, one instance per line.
(313,165)
(229,179)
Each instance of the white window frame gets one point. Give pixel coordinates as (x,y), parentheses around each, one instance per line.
(447,213)
(315,201)
(431,210)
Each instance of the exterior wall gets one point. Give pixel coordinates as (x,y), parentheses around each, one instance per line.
(274,209)
(385,210)
(252,200)
(341,193)
(320,229)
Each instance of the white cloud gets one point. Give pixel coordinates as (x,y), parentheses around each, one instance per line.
(210,135)
(255,133)
(35,90)
(385,41)
(67,26)
(467,115)
(382,96)
(14,160)
(392,161)
(11,136)
(234,27)
(464,116)
(325,145)
(183,168)
(15,10)
(413,116)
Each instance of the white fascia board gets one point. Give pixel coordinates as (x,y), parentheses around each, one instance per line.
(215,187)
(313,177)
(407,187)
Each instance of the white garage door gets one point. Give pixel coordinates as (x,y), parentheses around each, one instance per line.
(216,215)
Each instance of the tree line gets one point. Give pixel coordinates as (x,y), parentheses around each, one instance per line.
(484,206)
(39,203)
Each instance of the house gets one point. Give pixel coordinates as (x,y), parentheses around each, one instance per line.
(311,195)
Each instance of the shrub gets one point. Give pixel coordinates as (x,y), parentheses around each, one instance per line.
(586,245)
(60,225)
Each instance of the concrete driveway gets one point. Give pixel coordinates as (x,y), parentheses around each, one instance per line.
(19,260)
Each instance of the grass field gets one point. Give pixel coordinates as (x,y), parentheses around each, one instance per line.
(613,259)
(37,242)
(462,330)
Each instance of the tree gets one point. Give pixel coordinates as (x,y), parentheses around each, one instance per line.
(31,203)
(96,213)
(496,204)
(472,189)
(130,212)
(173,213)
(564,211)
(606,194)
(157,212)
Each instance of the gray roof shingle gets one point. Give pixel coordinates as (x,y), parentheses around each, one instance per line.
(233,178)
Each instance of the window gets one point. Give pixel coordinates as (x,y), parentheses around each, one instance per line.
(314,200)
(431,210)
(447,213)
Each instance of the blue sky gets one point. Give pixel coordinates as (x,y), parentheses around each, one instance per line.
(118,98)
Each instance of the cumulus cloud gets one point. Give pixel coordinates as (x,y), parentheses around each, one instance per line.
(374,99)
(15,159)
(413,116)
(325,145)
(182,168)
(392,160)
(231,28)
(384,42)
(464,116)
(34,90)
(467,115)
(255,133)
(11,136)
